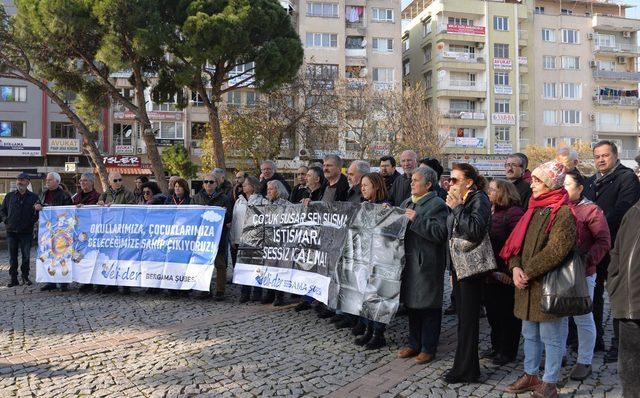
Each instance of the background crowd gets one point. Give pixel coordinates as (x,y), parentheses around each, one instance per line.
(498,239)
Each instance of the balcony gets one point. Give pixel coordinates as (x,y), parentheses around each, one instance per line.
(456,56)
(613,75)
(461,32)
(523,118)
(356,52)
(604,100)
(617,24)
(462,85)
(607,128)
(523,37)
(383,86)
(463,118)
(617,49)
(524,91)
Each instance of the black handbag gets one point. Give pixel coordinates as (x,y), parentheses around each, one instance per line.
(564,289)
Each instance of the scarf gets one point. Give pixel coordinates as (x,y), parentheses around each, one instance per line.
(415,199)
(554,199)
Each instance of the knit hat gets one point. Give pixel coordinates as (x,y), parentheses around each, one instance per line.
(551,174)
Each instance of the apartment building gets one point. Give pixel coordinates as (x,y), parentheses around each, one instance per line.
(586,74)
(506,74)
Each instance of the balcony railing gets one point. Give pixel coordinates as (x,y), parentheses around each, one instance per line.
(356,24)
(465,85)
(616,128)
(459,56)
(523,35)
(616,101)
(618,48)
(613,75)
(466,142)
(463,114)
(524,88)
(461,29)
(383,86)
(356,52)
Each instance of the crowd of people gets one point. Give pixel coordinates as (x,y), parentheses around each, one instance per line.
(529,222)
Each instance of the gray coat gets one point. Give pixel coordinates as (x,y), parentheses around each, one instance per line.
(424,245)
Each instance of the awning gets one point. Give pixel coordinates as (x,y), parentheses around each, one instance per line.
(130,170)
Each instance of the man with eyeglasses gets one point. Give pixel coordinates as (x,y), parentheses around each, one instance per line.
(268,172)
(211,196)
(87,194)
(299,192)
(237,186)
(514,170)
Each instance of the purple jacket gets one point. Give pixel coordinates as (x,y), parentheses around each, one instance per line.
(503,222)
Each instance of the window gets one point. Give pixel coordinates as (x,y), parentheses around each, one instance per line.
(252,98)
(126,93)
(572,91)
(570,62)
(165,106)
(322,71)
(405,44)
(570,36)
(382,14)
(13,94)
(566,11)
(355,42)
(463,132)
(551,141)
(460,21)
(603,40)
(573,141)
(459,105)
(322,40)
(234,98)
(606,65)
(549,118)
(325,10)
(549,90)
(548,35)
(500,23)
(610,119)
(427,53)
(462,79)
(169,130)
(548,62)
(12,129)
(500,50)
(501,106)
(426,27)
(198,130)
(122,133)
(501,78)
(539,10)
(62,130)
(503,133)
(196,99)
(406,68)
(571,116)
(381,44)
(384,75)
(428,80)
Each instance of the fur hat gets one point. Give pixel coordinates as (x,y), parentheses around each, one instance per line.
(551,174)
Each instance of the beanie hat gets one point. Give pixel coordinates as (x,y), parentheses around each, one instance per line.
(551,174)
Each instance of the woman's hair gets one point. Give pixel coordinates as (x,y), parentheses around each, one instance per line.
(153,186)
(142,179)
(429,175)
(577,177)
(184,184)
(472,174)
(507,195)
(280,188)
(254,182)
(379,187)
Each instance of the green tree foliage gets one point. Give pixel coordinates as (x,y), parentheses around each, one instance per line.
(178,162)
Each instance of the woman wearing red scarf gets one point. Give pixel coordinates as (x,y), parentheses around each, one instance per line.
(541,240)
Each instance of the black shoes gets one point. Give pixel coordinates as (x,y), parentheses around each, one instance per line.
(490,353)
(451,378)
(48,287)
(244,298)
(359,329)
(501,360)
(611,355)
(302,306)
(219,296)
(377,341)
(26,281)
(364,339)
(14,282)
(347,321)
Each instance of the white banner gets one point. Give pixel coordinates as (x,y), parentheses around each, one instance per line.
(20,147)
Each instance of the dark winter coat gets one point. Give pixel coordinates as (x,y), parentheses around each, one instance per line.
(424,243)
(354,195)
(173,200)
(276,176)
(400,190)
(541,253)
(524,189)
(623,284)
(120,197)
(17,211)
(503,221)
(388,180)
(341,190)
(298,193)
(221,200)
(60,198)
(86,198)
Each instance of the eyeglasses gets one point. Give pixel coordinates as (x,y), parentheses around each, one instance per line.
(453,180)
(208,181)
(511,165)
(117,180)
(145,193)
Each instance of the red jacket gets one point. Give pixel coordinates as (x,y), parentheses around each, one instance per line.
(593,233)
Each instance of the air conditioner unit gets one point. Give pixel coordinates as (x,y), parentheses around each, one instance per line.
(621,60)
(592,116)
(73,159)
(593,64)
(626,34)
(590,36)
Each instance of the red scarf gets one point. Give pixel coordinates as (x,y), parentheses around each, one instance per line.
(554,199)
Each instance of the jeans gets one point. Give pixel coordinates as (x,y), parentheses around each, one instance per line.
(19,242)
(424,329)
(586,328)
(550,337)
(629,357)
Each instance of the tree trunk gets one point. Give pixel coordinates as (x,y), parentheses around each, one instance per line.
(89,144)
(216,132)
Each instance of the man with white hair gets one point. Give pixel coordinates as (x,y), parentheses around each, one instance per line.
(116,194)
(401,188)
(568,157)
(224,185)
(53,195)
(357,169)
(87,194)
(269,172)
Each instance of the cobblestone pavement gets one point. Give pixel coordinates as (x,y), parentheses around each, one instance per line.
(71,344)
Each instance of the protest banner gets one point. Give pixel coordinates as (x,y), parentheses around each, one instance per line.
(346,255)
(292,247)
(169,247)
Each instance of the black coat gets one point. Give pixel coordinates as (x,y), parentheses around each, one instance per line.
(424,243)
(314,196)
(615,193)
(60,198)
(17,211)
(342,189)
(524,189)
(388,180)
(217,199)
(173,200)
(276,176)
(298,193)
(472,219)
(400,190)
(354,195)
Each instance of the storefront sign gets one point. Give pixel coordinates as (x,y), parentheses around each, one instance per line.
(470,142)
(502,63)
(465,29)
(121,161)
(20,147)
(503,118)
(503,148)
(153,115)
(124,150)
(498,89)
(64,145)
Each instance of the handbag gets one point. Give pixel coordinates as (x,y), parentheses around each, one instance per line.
(469,258)
(564,289)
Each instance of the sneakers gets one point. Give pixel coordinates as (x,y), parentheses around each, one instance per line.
(545,390)
(580,372)
(525,383)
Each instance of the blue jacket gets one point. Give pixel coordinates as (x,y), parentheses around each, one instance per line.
(18,213)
